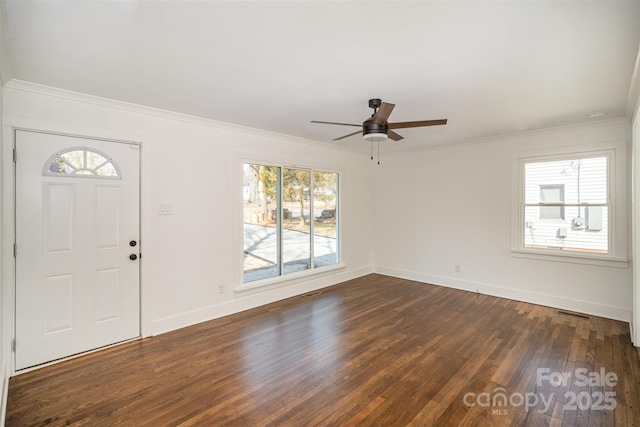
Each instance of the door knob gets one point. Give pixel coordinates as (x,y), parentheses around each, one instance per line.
(133,257)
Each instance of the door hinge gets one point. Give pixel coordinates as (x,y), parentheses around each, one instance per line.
(13,345)
(15,250)
(15,155)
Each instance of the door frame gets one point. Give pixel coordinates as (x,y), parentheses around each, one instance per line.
(8,226)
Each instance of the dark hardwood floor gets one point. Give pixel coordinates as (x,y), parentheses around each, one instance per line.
(375,351)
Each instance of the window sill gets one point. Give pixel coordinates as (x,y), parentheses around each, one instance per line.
(571,258)
(285,280)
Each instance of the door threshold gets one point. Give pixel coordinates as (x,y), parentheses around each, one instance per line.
(73,356)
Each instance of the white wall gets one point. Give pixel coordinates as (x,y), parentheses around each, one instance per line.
(445,206)
(635,200)
(5,353)
(189,163)
(4,325)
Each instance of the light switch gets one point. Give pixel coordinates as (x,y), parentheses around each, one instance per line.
(165,209)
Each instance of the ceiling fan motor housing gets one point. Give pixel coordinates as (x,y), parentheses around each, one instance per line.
(368,127)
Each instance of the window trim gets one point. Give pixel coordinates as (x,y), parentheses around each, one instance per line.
(617,202)
(290,278)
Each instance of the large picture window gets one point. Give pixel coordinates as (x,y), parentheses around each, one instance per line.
(290,220)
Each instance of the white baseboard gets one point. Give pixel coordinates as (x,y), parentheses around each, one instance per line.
(610,312)
(253,300)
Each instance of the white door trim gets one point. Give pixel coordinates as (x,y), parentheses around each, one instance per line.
(8,226)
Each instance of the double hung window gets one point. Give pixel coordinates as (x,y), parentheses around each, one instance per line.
(566,204)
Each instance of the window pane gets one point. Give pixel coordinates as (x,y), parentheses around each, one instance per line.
(260,207)
(325,204)
(59,166)
(585,230)
(107,170)
(584,180)
(74,158)
(94,160)
(296,222)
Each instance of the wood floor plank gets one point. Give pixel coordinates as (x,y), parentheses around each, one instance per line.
(373,351)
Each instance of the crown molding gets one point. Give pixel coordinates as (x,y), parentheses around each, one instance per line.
(65,94)
(171,115)
(616,121)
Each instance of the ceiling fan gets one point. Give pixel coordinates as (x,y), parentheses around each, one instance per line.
(376,128)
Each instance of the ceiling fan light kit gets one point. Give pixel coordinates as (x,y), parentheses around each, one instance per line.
(374,136)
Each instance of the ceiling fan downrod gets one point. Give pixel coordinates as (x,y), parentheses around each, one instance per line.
(375,103)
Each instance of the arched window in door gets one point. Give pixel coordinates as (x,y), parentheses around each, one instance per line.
(81,162)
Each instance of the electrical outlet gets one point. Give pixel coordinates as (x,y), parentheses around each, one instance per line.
(221,288)
(456,268)
(165,209)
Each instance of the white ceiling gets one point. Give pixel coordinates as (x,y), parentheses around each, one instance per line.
(489,67)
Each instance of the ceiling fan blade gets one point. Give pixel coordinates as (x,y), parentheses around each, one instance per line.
(383,113)
(347,136)
(402,125)
(392,135)
(334,123)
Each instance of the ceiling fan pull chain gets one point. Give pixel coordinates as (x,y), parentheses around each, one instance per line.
(378,152)
(371,149)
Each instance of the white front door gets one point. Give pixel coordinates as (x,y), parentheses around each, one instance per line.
(77,245)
